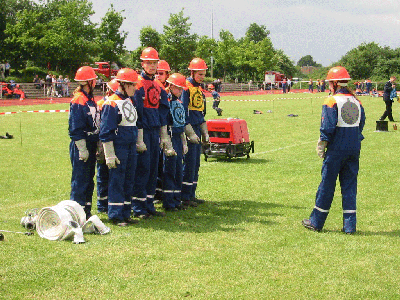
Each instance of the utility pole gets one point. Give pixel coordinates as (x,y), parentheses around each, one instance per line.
(212,37)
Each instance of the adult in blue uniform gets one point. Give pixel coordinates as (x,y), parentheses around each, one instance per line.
(173,165)
(83,130)
(102,169)
(342,123)
(152,134)
(118,132)
(387,89)
(193,101)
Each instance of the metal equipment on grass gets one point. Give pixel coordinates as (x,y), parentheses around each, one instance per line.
(229,138)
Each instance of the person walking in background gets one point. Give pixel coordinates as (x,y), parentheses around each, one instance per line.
(387,89)
(7,68)
(342,123)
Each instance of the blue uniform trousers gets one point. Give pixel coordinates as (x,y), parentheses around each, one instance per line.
(172,175)
(102,187)
(121,181)
(82,183)
(146,173)
(346,166)
(191,166)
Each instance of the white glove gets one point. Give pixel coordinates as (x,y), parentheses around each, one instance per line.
(83,151)
(321,146)
(111,159)
(191,135)
(140,145)
(165,142)
(204,133)
(184,143)
(100,153)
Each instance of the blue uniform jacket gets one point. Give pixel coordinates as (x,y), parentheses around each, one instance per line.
(111,117)
(176,117)
(215,95)
(342,136)
(84,118)
(193,103)
(151,95)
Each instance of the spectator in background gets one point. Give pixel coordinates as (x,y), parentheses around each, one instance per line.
(7,68)
(284,86)
(323,85)
(66,86)
(59,86)
(49,84)
(318,86)
(368,86)
(387,89)
(310,86)
(289,85)
(36,81)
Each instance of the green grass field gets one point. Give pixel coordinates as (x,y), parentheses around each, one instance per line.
(246,242)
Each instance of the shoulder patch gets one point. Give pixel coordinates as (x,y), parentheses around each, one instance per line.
(330,102)
(79,98)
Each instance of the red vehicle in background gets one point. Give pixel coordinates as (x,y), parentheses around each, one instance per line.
(274,78)
(103,67)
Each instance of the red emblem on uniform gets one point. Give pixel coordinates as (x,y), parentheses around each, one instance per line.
(152,92)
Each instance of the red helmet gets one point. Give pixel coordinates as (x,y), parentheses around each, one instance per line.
(149,54)
(338,73)
(197,64)
(113,85)
(177,79)
(211,87)
(85,73)
(127,75)
(163,66)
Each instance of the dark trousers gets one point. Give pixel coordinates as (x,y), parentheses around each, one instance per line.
(388,111)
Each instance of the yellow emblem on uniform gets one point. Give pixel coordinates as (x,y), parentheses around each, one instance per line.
(196,99)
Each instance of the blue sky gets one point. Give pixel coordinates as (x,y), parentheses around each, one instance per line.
(326,30)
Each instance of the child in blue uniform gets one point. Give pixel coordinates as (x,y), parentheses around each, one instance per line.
(152,134)
(102,169)
(83,130)
(193,101)
(342,123)
(118,132)
(173,165)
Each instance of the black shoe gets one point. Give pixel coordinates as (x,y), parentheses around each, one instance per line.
(188,203)
(181,207)
(307,224)
(131,221)
(119,223)
(157,213)
(392,121)
(198,201)
(143,216)
(171,209)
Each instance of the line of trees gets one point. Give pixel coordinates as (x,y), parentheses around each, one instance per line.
(59,34)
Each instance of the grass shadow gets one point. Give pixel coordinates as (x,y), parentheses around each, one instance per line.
(216,216)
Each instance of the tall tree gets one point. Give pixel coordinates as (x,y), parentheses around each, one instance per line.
(284,64)
(307,60)
(179,44)
(110,39)
(59,32)
(149,37)
(361,61)
(256,33)
(206,48)
(226,53)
